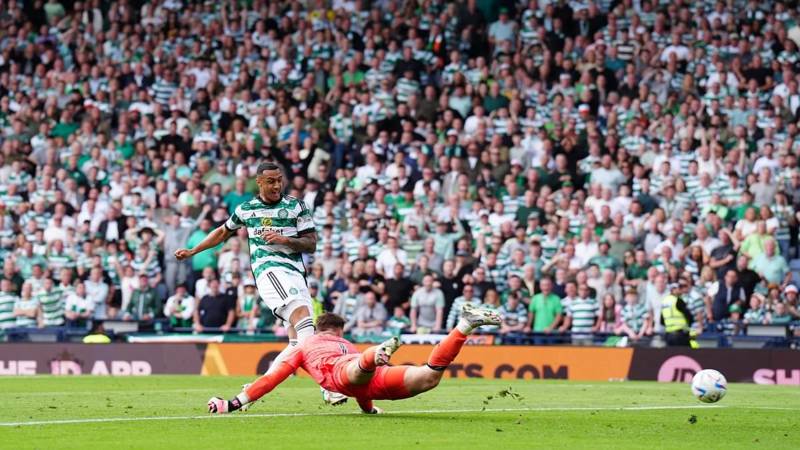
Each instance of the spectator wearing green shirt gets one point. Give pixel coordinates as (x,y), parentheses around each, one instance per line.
(64,128)
(545,311)
(717,207)
(746,204)
(352,76)
(528,209)
(27,260)
(769,265)
(399,322)
(238,196)
(779,315)
(603,260)
(203,259)
(142,305)
(53,11)
(495,100)
(754,243)
(637,270)
(444,241)
(403,204)
(515,287)
(220,175)
(618,246)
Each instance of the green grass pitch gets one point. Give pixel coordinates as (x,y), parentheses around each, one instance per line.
(168,412)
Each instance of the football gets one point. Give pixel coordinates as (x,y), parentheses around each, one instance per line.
(709,386)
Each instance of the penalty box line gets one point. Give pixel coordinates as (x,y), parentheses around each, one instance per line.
(323,414)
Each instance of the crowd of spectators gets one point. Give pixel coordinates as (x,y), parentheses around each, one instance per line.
(568,163)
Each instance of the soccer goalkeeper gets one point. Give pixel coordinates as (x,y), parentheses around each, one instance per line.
(336,365)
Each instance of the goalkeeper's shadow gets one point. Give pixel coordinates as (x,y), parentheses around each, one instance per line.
(419,417)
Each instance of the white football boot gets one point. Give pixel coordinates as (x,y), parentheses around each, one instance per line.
(477,317)
(385,351)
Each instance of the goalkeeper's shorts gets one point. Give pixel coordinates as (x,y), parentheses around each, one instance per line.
(388,383)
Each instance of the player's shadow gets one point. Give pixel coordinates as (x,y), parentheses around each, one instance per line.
(416,417)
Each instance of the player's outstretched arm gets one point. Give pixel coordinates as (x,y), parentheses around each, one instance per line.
(259,388)
(266,383)
(216,237)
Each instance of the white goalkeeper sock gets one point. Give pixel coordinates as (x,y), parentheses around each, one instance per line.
(465,327)
(243,399)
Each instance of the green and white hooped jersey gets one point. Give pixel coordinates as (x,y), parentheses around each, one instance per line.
(52,307)
(287,217)
(7,302)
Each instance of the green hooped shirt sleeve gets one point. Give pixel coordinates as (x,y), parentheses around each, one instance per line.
(234,222)
(305,221)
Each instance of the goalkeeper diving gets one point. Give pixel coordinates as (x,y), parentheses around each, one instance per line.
(336,365)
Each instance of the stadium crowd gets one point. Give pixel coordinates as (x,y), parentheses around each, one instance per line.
(568,163)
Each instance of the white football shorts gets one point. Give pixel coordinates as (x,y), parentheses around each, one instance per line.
(284,291)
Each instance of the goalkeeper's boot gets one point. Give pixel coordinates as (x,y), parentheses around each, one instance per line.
(333,398)
(385,351)
(218,405)
(477,317)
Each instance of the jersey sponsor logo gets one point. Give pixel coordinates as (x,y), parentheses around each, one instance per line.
(266,221)
(260,230)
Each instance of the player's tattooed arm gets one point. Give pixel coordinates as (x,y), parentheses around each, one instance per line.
(304,243)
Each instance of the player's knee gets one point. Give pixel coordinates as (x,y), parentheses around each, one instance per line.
(298,310)
(431,380)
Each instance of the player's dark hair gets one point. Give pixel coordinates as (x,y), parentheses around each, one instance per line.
(267,166)
(329,321)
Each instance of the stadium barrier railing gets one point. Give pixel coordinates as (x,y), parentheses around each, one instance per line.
(766,366)
(715,336)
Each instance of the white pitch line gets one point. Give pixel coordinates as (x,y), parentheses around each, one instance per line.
(420,411)
(774,408)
